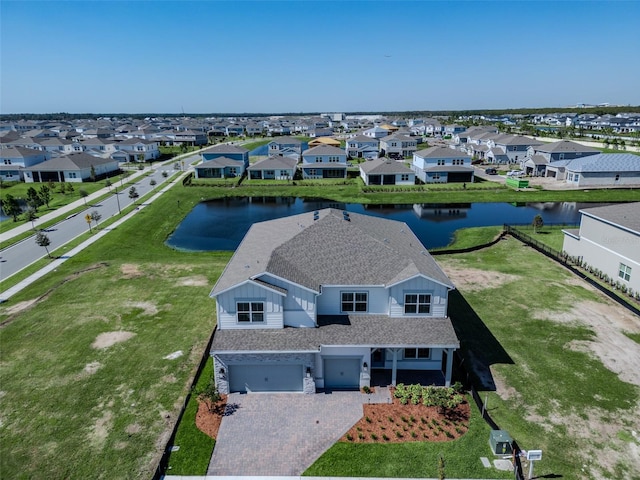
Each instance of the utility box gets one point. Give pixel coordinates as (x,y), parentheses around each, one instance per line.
(500,442)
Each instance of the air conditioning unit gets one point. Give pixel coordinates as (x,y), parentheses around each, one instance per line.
(500,442)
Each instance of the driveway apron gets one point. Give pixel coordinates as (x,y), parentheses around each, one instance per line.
(281,433)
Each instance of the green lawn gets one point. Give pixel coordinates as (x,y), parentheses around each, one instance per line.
(412,459)
(69,409)
(551,235)
(471,237)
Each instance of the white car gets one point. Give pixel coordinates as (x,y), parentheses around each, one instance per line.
(515,173)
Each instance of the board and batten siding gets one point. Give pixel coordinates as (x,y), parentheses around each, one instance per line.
(330,302)
(299,304)
(249,292)
(439,294)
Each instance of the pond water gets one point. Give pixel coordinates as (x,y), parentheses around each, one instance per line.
(221,224)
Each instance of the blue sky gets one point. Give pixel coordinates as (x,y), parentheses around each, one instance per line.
(302,56)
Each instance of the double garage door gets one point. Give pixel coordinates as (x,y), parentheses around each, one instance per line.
(265,378)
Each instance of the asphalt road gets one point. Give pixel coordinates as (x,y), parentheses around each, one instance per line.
(24,253)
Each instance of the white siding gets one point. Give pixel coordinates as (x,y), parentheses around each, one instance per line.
(439,295)
(226,305)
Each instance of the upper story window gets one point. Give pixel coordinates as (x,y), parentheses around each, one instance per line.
(417,303)
(354,302)
(250,312)
(624,272)
(440,162)
(318,159)
(417,353)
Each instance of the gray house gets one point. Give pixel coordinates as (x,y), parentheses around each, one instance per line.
(384,171)
(222,161)
(76,167)
(273,168)
(324,300)
(442,165)
(602,170)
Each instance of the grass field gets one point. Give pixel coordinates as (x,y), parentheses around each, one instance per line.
(86,387)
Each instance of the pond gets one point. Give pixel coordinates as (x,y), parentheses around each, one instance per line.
(221,224)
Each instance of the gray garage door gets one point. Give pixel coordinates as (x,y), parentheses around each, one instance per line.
(265,378)
(342,372)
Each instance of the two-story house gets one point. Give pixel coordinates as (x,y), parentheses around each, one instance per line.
(324,161)
(442,165)
(139,149)
(362,146)
(539,156)
(398,146)
(514,147)
(222,161)
(286,146)
(14,159)
(321,299)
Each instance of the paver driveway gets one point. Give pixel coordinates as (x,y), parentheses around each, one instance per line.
(281,433)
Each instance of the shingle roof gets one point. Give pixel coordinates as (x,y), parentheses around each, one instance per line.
(286,141)
(363,139)
(73,161)
(384,165)
(275,163)
(626,215)
(324,150)
(219,162)
(363,250)
(223,148)
(19,152)
(440,152)
(379,330)
(564,146)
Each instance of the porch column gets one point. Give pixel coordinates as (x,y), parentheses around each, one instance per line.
(449,368)
(394,366)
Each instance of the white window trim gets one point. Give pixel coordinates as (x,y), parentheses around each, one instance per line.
(624,272)
(415,351)
(250,311)
(354,302)
(417,304)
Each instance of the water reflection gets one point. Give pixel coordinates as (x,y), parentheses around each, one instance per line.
(221,224)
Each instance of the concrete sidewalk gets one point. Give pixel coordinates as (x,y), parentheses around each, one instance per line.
(4,296)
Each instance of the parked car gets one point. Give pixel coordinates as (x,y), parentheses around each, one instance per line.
(515,173)
(491,171)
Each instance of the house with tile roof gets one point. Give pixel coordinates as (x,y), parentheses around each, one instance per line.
(385,171)
(324,161)
(609,240)
(326,299)
(273,168)
(442,165)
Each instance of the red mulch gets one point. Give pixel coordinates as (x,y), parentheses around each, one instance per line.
(208,422)
(396,423)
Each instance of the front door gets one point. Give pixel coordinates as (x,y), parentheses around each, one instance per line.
(377,358)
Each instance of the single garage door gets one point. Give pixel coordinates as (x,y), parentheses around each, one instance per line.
(265,378)
(342,372)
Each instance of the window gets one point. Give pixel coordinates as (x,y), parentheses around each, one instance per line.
(617,177)
(440,162)
(250,312)
(576,177)
(417,303)
(624,272)
(318,159)
(354,301)
(7,161)
(312,172)
(404,177)
(417,353)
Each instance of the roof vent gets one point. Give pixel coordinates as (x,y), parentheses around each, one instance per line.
(345,215)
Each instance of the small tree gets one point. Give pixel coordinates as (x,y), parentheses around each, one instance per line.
(11,207)
(152,182)
(92,174)
(133,194)
(33,199)
(96,216)
(537,223)
(107,183)
(210,395)
(83,193)
(43,241)
(45,195)
(30,215)
(69,188)
(165,174)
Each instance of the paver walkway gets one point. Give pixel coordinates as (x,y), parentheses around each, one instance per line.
(278,434)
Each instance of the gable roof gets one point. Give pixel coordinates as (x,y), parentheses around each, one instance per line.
(73,161)
(605,162)
(324,150)
(286,141)
(384,165)
(275,163)
(440,152)
(224,148)
(564,146)
(219,162)
(326,248)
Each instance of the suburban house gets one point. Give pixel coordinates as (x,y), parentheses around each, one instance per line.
(325,299)
(139,149)
(285,146)
(398,146)
(384,171)
(362,146)
(14,159)
(601,170)
(442,165)
(324,162)
(222,161)
(273,168)
(546,153)
(75,167)
(513,147)
(376,132)
(324,141)
(609,240)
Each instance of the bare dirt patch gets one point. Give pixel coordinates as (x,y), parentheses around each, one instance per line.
(91,368)
(20,306)
(148,308)
(130,270)
(193,281)
(473,279)
(100,429)
(107,339)
(133,429)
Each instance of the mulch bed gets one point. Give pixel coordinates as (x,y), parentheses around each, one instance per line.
(209,422)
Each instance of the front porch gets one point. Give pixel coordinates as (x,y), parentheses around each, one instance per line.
(382,378)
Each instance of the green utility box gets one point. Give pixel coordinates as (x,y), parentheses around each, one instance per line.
(500,442)
(516,182)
